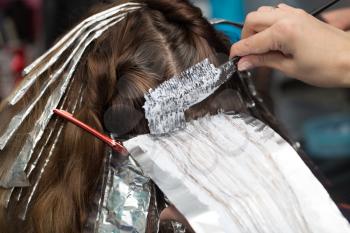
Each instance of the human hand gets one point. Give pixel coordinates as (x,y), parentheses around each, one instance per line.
(296,43)
(339,18)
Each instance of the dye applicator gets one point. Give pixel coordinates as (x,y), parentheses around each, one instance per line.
(165,106)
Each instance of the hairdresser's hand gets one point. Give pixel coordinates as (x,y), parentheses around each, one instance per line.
(294,42)
(339,18)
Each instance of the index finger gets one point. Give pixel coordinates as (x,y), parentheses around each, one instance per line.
(258,21)
(259,43)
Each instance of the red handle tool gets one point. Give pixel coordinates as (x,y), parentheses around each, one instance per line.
(115,145)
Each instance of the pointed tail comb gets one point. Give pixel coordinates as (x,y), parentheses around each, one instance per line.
(115,145)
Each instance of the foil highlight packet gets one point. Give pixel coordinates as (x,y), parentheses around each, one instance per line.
(233,173)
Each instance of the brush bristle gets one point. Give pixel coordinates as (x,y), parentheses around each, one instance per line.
(166,105)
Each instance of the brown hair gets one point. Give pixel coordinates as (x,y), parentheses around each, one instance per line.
(151,45)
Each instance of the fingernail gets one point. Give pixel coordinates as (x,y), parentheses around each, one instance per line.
(243,66)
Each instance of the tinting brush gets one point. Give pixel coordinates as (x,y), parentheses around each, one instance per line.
(318,11)
(165,106)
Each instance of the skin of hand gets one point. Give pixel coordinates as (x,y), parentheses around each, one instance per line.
(296,43)
(339,18)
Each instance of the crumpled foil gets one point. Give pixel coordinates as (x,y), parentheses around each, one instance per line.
(126,199)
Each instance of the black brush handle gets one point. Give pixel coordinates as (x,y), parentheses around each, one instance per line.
(323,8)
(314,13)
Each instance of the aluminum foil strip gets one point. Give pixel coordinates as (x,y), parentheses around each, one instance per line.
(97,205)
(126,199)
(18,119)
(165,106)
(34,164)
(65,43)
(75,32)
(23,213)
(40,154)
(15,175)
(232,173)
(19,196)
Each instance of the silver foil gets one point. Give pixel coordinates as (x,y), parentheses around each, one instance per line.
(34,164)
(72,60)
(87,22)
(65,43)
(16,176)
(75,32)
(166,105)
(23,213)
(126,199)
(232,173)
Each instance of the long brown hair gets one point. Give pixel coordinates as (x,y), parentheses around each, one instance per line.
(151,45)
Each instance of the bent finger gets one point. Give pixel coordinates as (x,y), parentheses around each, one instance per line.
(266,8)
(259,43)
(284,6)
(258,21)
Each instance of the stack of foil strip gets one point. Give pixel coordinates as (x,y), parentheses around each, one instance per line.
(55,85)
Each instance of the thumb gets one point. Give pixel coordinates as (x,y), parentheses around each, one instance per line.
(273,60)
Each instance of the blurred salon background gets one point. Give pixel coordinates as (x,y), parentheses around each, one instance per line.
(318,118)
